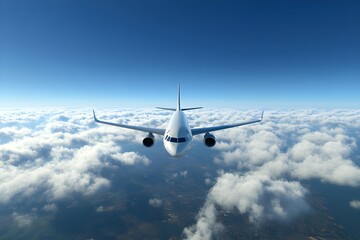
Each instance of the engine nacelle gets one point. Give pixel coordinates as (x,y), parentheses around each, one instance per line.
(209,140)
(149,140)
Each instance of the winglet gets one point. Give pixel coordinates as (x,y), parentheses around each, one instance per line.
(95,119)
(262,115)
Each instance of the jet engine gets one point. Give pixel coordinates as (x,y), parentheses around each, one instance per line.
(149,140)
(209,140)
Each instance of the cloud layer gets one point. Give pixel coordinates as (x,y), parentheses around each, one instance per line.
(57,153)
(270,161)
(53,154)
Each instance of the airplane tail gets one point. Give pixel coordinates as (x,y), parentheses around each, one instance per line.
(178,106)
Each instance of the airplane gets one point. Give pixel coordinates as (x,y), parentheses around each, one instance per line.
(178,135)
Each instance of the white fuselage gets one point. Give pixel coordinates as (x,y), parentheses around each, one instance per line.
(177,137)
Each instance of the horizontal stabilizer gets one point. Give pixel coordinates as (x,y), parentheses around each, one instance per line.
(163,108)
(187,109)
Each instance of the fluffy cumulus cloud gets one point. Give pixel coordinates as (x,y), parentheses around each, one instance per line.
(254,194)
(55,153)
(269,161)
(307,146)
(207,181)
(259,196)
(100,209)
(355,204)
(22,220)
(155,202)
(182,174)
(325,154)
(60,152)
(206,225)
(52,208)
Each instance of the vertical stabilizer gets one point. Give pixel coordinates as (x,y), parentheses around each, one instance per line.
(178,108)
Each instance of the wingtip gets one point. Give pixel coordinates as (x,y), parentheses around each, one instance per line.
(262,115)
(95,119)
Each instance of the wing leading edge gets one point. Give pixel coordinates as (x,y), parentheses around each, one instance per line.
(196,131)
(158,131)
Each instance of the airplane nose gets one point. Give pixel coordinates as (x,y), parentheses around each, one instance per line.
(172,152)
(176,150)
(179,150)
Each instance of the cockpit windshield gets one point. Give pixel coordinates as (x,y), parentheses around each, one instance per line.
(175,140)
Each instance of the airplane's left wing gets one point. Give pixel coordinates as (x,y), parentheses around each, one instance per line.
(158,131)
(196,131)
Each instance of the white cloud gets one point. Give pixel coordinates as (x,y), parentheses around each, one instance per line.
(206,226)
(325,155)
(294,145)
(183,173)
(282,146)
(155,202)
(208,181)
(58,153)
(259,196)
(22,220)
(50,208)
(15,131)
(256,195)
(355,204)
(100,209)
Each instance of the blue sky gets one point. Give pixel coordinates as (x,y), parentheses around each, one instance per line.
(224,53)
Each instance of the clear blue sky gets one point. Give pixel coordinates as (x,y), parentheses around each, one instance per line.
(302,53)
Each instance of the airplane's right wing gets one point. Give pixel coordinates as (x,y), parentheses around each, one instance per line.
(159,131)
(196,131)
